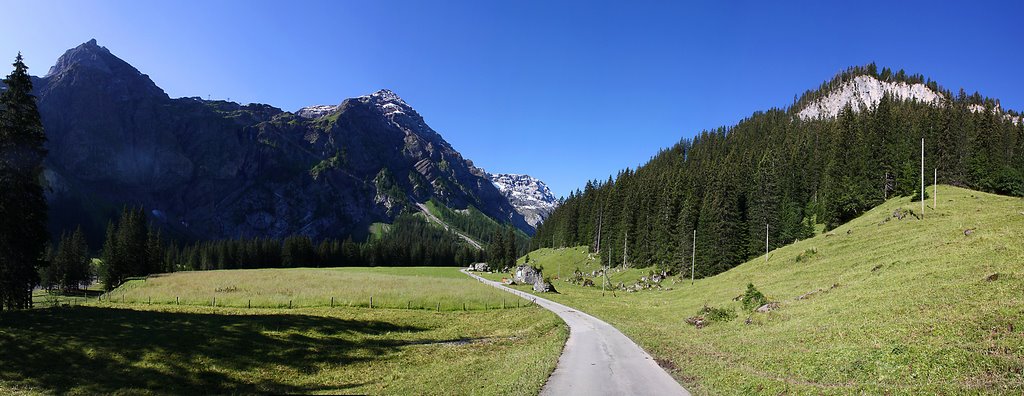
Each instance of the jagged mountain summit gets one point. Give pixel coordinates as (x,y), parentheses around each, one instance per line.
(216,169)
(530,196)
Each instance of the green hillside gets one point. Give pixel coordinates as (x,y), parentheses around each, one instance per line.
(906,307)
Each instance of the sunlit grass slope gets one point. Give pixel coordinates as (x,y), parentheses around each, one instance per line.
(919,306)
(390,287)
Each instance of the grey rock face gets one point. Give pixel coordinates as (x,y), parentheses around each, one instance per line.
(530,196)
(217,169)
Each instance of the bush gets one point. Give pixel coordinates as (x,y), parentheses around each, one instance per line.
(713,314)
(807,254)
(753,298)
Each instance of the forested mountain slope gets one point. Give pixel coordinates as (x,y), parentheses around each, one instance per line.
(789,170)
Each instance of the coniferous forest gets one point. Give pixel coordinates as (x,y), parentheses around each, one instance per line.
(790,174)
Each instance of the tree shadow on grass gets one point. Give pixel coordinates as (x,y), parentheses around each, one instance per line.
(102,350)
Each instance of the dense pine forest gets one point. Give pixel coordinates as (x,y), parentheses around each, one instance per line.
(776,169)
(133,249)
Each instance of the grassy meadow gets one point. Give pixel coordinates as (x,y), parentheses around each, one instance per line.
(930,306)
(161,348)
(390,287)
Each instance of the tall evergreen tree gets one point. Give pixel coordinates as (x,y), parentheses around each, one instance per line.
(23,235)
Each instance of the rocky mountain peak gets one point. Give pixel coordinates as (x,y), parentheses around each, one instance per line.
(528,195)
(388,102)
(90,63)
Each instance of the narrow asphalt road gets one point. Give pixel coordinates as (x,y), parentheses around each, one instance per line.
(598,359)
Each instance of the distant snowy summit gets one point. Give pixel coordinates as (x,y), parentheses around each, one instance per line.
(528,195)
(388,102)
(865,92)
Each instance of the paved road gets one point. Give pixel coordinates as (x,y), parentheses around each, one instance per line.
(598,359)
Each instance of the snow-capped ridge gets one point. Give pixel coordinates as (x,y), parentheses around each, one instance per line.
(528,195)
(317,111)
(388,102)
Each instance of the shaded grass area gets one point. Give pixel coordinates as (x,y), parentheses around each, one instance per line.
(889,307)
(198,350)
(429,288)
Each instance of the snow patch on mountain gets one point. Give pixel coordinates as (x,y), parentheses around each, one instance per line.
(317,111)
(864,92)
(530,196)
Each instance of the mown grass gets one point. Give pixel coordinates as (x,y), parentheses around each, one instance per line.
(135,349)
(430,288)
(916,308)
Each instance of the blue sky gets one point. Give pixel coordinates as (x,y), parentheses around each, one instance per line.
(564,91)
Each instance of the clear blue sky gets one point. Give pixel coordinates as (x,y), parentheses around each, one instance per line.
(565,92)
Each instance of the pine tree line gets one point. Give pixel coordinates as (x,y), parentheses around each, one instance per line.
(69,266)
(790,174)
(410,241)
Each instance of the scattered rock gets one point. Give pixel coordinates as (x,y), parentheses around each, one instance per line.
(588,282)
(768,307)
(969,231)
(697,321)
(877,267)
(543,286)
(480,267)
(748,321)
(992,278)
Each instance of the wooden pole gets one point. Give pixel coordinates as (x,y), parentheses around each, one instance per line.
(766,242)
(935,190)
(922,178)
(693,256)
(371,302)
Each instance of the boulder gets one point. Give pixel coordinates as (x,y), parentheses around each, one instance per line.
(481,267)
(543,286)
(526,274)
(768,307)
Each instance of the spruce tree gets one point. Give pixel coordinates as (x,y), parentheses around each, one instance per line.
(23,234)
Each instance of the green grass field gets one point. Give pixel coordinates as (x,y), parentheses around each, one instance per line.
(390,287)
(916,308)
(139,348)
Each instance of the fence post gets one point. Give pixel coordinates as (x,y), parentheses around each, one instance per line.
(249,303)
(289,304)
(215,301)
(371,302)
(408,305)
(332,302)
(439,307)
(175,300)
(463,305)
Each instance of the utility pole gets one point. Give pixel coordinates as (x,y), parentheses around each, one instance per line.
(625,253)
(766,242)
(922,178)
(600,221)
(935,190)
(693,256)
